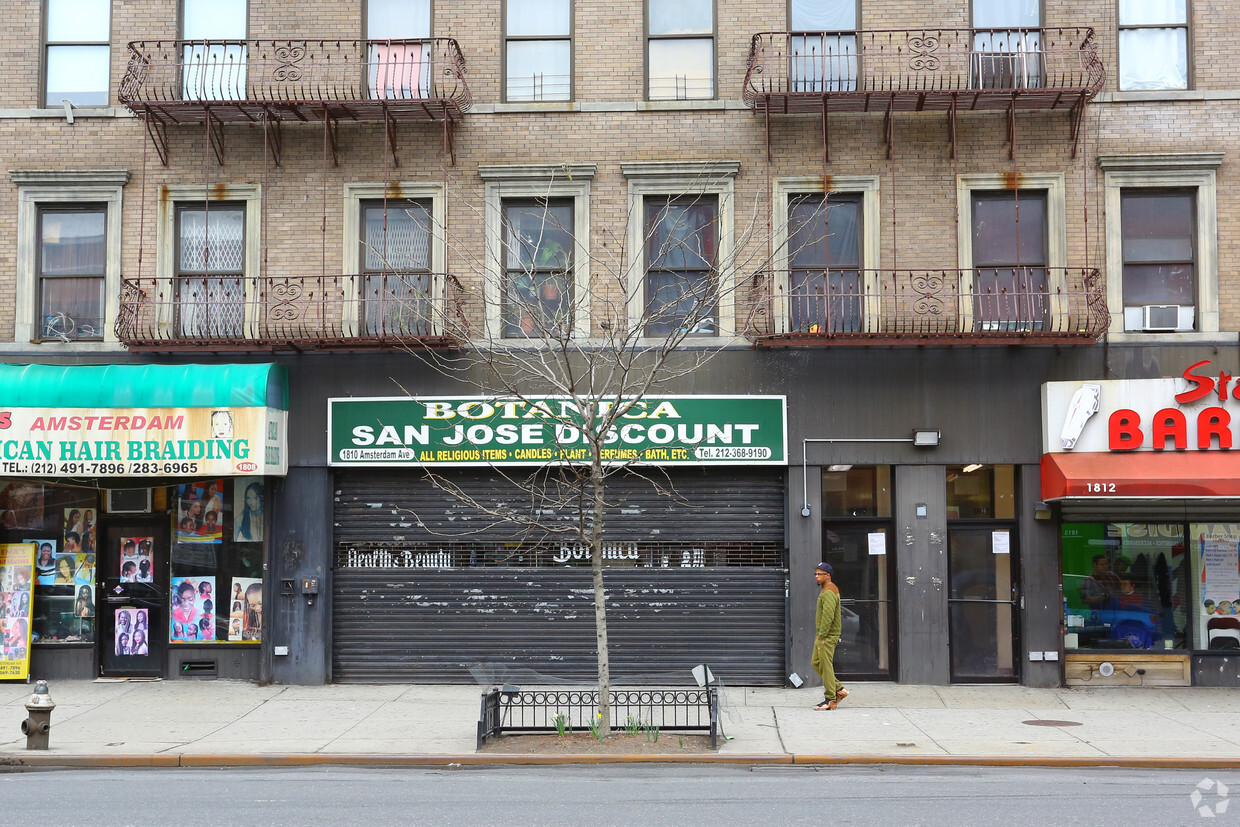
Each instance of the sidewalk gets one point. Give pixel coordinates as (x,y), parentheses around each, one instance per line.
(221,723)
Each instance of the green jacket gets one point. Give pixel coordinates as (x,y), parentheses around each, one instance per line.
(828,619)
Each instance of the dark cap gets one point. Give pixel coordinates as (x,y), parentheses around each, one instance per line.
(826,567)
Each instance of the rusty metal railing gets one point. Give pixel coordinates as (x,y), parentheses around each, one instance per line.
(1027,304)
(922,68)
(392,309)
(366,77)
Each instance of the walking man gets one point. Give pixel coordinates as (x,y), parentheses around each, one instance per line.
(827,626)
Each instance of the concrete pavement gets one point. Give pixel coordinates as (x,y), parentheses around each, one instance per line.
(220,723)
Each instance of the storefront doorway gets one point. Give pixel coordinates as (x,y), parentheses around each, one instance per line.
(982,568)
(132,600)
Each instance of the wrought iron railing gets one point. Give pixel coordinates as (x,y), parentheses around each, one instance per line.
(1030,304)
(412,75)
(311,312)
(972,68)
(511,710)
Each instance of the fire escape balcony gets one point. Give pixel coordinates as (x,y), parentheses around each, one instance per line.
(1014,305)
(169,82)
(922,69)
(335,312)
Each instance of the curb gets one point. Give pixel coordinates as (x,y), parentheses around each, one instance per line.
(472,759)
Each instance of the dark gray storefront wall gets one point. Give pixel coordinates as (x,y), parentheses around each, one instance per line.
(299,547)
(1041,609)
(921,575)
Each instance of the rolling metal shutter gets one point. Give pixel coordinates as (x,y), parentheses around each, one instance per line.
(440,616)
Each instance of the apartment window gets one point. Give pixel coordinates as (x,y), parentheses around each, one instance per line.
(1160,279)
(214,54)
(68,255)
(398,56)
(1010,259)
(396,267)
(1153,44)
(1161,241)
(77,57)
(538,267)
(1007,44)
(824,45)
(538,50)
(680,51)
(825,282)
(682,289)
(72,263)
(210,270)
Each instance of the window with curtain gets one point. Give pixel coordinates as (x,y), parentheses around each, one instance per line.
(1009,260)
(680,50)
(214,54)
(71,259)
(824,45)
(538,253)
(538,50)
(396,256)
(1007,44)
(824,255)
(1153,44)
(398,56)
(77,52)
(211,270)
(1159,230)
(682,235)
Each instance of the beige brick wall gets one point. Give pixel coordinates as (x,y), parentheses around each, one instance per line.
(917,191)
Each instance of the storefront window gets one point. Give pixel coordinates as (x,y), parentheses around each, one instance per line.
(981,492)
(215,582)
(1216,565)
(62,522)
(1125,585)
(856,491)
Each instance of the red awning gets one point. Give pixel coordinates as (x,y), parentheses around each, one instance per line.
(1155,474)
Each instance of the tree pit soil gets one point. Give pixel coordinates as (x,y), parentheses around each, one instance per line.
(583,743)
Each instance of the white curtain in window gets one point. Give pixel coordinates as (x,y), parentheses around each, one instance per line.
(1153,59)
(824,15)
(1006,14)
(1152,12)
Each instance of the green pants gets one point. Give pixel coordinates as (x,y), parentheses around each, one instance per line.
(823,663)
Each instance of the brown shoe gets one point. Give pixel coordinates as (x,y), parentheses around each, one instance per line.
(841,695)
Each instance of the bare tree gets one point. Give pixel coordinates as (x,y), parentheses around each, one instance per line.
(646,318)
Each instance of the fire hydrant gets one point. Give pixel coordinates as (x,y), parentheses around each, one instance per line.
(39,719)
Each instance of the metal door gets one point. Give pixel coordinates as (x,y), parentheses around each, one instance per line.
(982,603)
(860,554)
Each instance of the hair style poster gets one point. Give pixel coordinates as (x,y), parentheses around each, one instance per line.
(200,512)
(16,600)
(193,610)
(21,506)
(248,510)
(132,632)
(245,616)
(79,530)
(45,561)
(137,559)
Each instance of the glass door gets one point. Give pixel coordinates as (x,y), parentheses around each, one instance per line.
(857,533)
(982,602)
(133,597)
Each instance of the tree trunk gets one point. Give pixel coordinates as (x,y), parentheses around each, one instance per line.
(600,599)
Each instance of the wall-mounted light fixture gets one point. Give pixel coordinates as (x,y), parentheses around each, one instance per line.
(926,438)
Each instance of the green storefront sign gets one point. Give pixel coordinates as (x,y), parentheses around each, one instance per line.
(657,430)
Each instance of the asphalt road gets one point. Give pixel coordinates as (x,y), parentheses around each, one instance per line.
(620,795)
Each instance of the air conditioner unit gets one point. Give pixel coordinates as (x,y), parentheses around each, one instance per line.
(129,501)
(1166,318)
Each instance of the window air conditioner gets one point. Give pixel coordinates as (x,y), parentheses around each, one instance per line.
(1166,318)
(129,501)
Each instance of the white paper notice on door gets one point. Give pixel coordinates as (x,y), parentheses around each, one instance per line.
(878,542)
(1000,542)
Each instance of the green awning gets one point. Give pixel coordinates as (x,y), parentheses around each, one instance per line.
(144,386)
